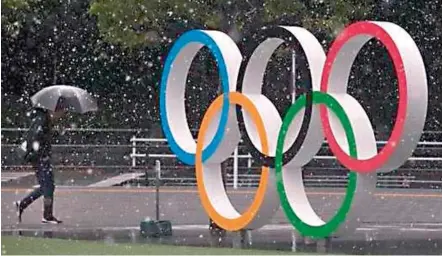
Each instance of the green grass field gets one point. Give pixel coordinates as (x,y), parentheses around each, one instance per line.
(28,245)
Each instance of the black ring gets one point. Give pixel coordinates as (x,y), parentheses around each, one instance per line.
(248,46)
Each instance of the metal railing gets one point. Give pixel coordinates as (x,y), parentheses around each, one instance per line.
(336,181)
(10,129)
(134,155)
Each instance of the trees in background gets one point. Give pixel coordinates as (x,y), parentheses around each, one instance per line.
(136,23)
(115,49)
(139,24)
(47,42)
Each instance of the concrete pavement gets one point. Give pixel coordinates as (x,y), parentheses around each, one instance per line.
(397,218)
(120,207)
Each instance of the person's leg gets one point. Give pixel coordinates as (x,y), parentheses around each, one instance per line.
(29,199)
(48,188)
(48,192)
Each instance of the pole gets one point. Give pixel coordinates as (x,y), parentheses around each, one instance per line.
(235,168)
(157,188)
(293,75)
(134,151)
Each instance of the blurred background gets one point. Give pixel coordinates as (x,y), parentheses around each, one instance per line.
(115,50)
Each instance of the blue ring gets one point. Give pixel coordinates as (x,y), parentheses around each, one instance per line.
(194,36)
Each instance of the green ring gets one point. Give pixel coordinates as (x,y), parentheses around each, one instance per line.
(329,227)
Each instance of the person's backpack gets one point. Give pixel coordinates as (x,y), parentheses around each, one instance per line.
(22,151)
(26,150)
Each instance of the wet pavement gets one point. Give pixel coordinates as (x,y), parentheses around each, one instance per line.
(66,176)
(397,221)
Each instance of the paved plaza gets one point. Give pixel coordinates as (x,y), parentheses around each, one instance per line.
(395,217)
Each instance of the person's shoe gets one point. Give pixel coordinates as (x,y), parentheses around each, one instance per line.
(18,210)
(51,220)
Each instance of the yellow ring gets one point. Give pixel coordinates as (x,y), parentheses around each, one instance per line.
(247,216)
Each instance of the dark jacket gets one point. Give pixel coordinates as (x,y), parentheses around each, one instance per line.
(39,137)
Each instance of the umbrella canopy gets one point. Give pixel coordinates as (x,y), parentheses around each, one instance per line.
(73,97)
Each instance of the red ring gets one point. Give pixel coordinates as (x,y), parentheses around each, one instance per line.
(367,165)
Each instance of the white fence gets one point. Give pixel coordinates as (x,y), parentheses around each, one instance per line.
(134,155)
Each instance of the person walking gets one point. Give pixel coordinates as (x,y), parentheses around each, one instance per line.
(38,154)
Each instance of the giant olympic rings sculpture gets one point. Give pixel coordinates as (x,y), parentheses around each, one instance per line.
(284,145)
